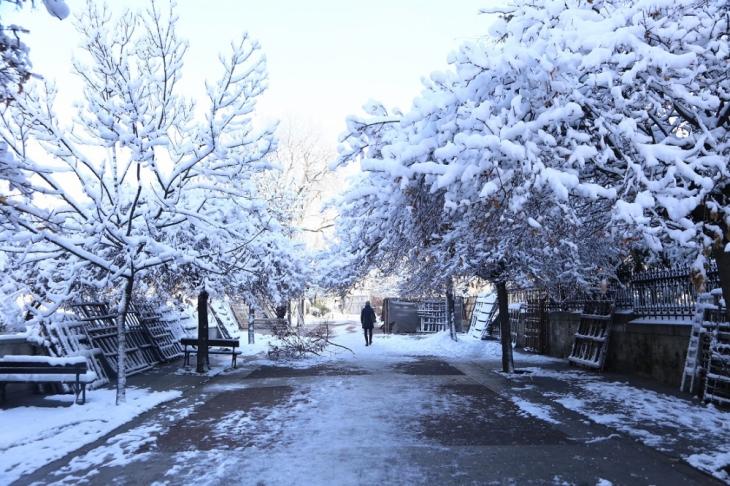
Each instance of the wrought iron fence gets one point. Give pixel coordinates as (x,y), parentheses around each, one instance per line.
(662,293)
(667,293)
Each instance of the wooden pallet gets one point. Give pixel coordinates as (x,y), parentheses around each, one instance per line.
(590,344)
(180,323)
(100,324)
(535,324)
(224,319)
(66,338)
(165,342)
(692,363)
(485,308)
(493,329)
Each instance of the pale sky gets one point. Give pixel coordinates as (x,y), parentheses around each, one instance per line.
(326,58)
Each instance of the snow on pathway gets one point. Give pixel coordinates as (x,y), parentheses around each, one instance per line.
(335,431)
(34,436)
(397,347)
(338,429)
(661,421)
(341,431)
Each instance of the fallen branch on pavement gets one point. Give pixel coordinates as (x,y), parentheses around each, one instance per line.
(293,344)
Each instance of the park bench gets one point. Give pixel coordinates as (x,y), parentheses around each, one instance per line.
(191,347)
(46,369)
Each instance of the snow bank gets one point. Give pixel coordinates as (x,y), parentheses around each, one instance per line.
(391,347)
(34,436)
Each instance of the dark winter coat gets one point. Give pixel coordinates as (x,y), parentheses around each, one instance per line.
(367,317)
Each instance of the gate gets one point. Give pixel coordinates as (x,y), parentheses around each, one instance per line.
(529,317)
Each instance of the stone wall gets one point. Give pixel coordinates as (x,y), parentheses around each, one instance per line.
(562,326)
(653,349)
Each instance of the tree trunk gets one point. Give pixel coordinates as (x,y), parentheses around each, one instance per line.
(450,309)
(202,356)
(251,317)
(723,269)
(505,331)
(288,312)
(300,313)
(122,311)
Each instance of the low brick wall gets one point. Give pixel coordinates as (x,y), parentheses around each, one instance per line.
(653,349)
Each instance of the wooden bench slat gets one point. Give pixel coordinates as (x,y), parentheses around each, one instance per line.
(218,351)
(43,360)
(231,343)
(55,370)
(45,378)
(48,366)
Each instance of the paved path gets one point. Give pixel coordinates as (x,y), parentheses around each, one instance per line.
(375,419)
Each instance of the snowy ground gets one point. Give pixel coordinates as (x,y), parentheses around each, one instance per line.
(34,436)
(407,410)
(395,347)
(666,423)
(699,434)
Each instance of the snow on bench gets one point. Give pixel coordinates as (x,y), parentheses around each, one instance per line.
(50,360)
(46,369)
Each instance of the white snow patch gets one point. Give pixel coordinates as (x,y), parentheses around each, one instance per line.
(437,344)
(716,463)
(342,415)
(656,419)
(34,436)
(402,348)
(119,450)
(542,412)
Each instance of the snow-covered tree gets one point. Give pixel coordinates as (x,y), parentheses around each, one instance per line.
(509,165)
(294,192)
(493,171)
(655,85)
(295,188)
(650,78)
(15,65)
(139,181)
(15,71)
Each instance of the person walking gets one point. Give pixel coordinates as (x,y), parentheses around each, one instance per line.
(367,319)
